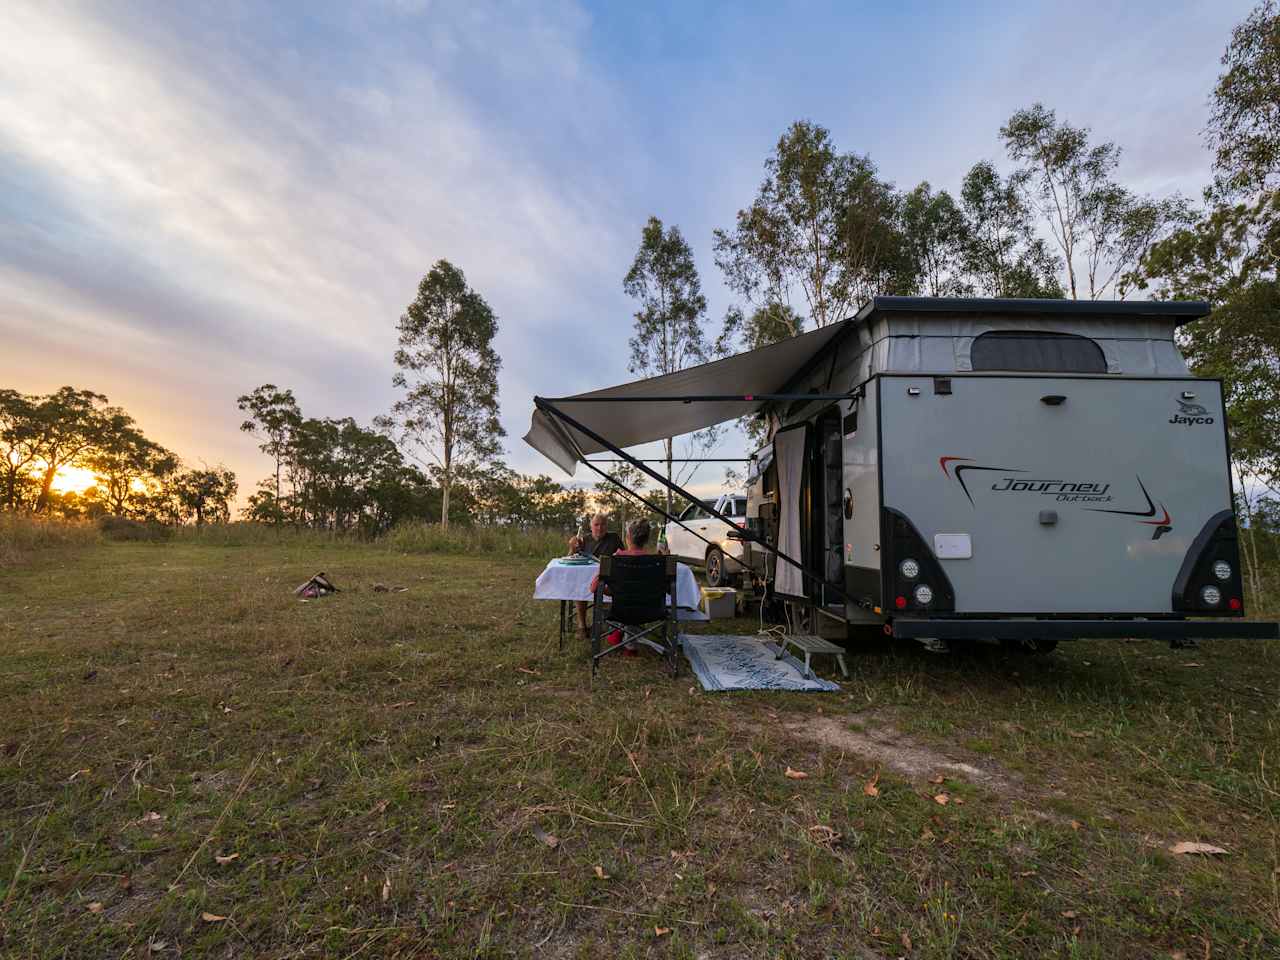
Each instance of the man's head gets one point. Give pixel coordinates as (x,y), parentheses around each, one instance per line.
(599,525)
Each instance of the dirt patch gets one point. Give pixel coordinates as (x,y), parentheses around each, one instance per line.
(886,745)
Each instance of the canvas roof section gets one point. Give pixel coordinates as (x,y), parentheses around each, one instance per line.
(643,418)
(1183,311)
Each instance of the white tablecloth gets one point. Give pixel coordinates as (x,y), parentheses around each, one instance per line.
(566,581)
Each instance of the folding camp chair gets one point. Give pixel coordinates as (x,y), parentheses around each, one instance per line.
(638,588)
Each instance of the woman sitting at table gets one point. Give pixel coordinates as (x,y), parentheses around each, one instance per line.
(638,532)
(601,543)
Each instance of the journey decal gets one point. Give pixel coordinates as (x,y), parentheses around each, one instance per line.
(1013,481)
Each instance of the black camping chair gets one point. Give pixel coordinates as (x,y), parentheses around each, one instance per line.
(638,588)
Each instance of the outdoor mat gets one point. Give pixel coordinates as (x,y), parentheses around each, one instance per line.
(724,662)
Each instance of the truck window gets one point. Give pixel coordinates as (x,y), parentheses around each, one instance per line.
(1036,351)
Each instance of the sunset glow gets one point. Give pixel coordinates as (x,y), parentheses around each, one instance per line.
(73,480)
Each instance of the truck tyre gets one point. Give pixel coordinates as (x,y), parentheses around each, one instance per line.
(1039,646)
(716,576)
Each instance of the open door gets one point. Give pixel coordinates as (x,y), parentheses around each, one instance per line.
(791,454)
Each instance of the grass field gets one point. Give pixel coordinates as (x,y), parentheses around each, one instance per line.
(194,763)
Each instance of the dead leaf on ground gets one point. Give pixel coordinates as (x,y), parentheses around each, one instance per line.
(223,861)
(1192,847)
(906,941)
(1076,824)
(796,774)
(938,779)
(1069,914)
(94,907)
(386,888)
(941,799)
(870,788)
(661,931)
(600,874)
(532,673)
(211,917)
(1027,873)
(550,839)
(823,834)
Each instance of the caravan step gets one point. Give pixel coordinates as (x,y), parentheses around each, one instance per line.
(808,644)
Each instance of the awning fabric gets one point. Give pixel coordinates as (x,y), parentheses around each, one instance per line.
(642,420)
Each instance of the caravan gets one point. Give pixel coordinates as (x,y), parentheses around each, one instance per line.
(957,469)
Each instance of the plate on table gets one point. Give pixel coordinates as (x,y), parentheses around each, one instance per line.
(575,561)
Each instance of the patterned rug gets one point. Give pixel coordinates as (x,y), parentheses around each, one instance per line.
(724,662)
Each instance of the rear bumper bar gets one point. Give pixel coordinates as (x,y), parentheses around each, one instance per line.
(913,628)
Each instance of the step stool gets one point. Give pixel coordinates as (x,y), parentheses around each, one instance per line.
(809,645)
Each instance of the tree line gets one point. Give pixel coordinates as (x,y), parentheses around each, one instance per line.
(41,435)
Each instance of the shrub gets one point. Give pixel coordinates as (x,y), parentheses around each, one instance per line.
(22,536)
(122,528)
(418,537)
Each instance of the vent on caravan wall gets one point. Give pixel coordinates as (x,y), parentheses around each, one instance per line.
(914,580)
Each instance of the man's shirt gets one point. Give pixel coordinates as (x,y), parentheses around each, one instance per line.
(607,545)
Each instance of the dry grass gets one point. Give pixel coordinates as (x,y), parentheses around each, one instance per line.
(377,774)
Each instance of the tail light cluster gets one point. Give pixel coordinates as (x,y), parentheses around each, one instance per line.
(915,580)
(1209,581)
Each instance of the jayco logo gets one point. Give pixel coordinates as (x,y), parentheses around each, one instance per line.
(1189,414)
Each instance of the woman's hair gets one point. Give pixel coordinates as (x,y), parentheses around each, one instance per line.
(638,532)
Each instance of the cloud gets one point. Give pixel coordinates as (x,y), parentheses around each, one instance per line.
(262,197)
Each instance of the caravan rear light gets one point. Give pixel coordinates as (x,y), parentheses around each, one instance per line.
(1222,570)
(900,603)
(1234,603)
(909,569)
(923,595)
(1211,596)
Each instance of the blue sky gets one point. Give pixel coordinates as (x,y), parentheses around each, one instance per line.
(196,199)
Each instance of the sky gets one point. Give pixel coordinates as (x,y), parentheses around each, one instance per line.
(199,198)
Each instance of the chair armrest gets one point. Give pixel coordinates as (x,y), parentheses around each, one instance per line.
(606,565)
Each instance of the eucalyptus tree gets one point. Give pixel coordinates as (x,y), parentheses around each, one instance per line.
(935,232)
(669,332)
(1002,256)
(19,435)
(823,222)
(129,467)
(448,370)
(66,425)
(273,417)
(205,494)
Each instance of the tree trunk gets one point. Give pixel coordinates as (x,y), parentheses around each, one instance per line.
(668,443)
(45,486)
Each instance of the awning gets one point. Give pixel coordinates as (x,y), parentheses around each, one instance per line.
(701,390)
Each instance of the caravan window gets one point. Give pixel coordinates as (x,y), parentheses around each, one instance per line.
(1035,351)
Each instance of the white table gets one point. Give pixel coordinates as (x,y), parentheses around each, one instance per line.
(572,581)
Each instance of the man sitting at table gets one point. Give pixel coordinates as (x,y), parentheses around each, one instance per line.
(601,543)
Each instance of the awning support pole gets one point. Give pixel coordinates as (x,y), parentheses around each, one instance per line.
(546,405)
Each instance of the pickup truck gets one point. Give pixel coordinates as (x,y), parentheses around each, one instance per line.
(722,557)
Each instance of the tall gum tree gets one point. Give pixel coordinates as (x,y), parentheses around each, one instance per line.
(448,370)
(669,332)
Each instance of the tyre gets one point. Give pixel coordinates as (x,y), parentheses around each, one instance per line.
(716,576)
(1038,647)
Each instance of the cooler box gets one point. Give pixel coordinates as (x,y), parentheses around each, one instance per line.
(720,603)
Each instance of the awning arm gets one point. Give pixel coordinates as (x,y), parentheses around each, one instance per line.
(547,406)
